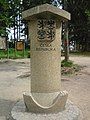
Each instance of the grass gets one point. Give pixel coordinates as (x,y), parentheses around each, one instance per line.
(81,53)
(68,67)
(12,55)
(66,63)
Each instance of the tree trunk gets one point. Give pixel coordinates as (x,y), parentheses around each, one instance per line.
(14,39)
(66,45)
(66,42)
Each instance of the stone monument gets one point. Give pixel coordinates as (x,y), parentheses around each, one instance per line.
(45,26)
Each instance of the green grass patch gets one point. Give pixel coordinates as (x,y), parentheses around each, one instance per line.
(80,53)
(68,67)
(65,63)
(12,55)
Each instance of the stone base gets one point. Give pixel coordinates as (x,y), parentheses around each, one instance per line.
(45,102)
(70,113)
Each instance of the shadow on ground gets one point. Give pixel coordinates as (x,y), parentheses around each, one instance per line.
(5,108)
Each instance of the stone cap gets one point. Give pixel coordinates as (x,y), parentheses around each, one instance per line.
(46,10)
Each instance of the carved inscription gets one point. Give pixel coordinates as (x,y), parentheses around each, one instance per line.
(46,31)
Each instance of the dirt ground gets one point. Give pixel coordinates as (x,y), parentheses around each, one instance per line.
(15,79)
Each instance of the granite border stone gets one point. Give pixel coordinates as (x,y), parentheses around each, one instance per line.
(71,112)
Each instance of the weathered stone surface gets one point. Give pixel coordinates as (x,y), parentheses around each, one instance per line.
(46,9)
(70,113)
(45,27)
(45,64)
(45,102)
(2,118)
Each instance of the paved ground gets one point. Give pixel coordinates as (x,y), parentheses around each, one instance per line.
(14,81)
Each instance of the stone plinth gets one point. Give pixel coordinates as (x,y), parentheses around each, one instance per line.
(70,113)
(45,26)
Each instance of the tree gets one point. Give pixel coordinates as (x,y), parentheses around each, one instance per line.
(4,17)
(27,4)
(15,15)
(79,18)
(78,23)
(66,33)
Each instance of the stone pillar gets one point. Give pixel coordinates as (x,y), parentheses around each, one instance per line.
(45,56)
(45,36)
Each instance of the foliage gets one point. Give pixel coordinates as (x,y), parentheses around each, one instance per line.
(16,23)
(68,67)
(81,53)
(5,20)
(78,27)
(32,3)
(66,63)
(10,16)
(19,54)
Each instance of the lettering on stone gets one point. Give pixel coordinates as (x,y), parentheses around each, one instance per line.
(45,44)
(45,49)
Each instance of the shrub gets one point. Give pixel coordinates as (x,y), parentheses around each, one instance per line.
(66,63)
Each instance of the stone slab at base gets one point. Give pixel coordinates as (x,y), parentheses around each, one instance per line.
(70,113)
(45,102)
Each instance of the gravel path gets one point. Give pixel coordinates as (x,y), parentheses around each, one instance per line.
(14,80)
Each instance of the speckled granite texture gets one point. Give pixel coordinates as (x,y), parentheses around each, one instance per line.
(70,113)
